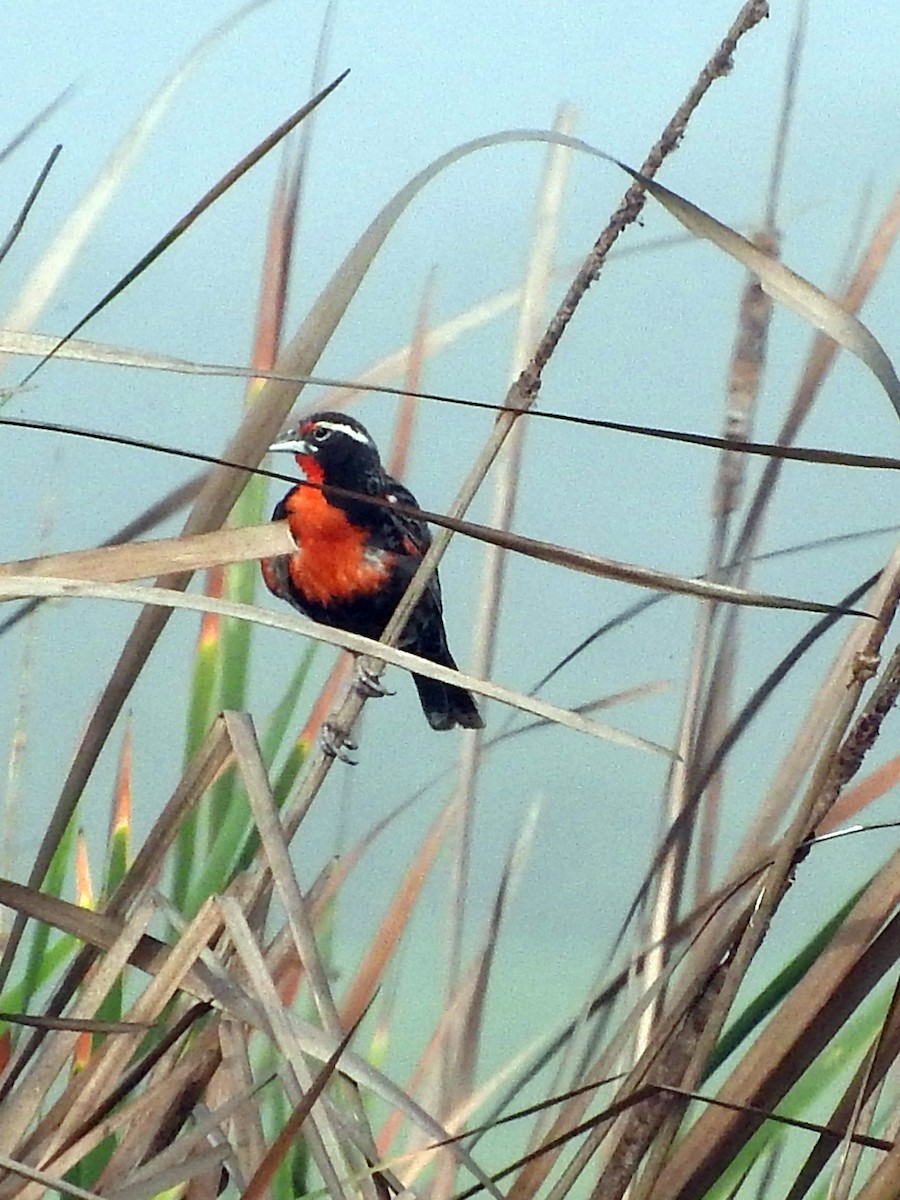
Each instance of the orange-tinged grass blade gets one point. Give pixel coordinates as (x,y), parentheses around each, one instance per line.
(461,1021)
(241,581)
(120,818)
(398,456)
(283,220)
(855,799)
(427,1068)
(84,887)
(275,275)
(201,708)
(287,972)
(368,978)
(211,623)
(337,679)
(322,894)
(120,824)
(84,898)
(428,1062)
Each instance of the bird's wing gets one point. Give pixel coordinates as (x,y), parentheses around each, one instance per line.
(276,571)
(414,535)
(413,532)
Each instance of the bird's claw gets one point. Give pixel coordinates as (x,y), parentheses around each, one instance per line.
(336,744)
(368,684)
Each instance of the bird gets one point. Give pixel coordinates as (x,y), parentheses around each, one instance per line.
(354,560)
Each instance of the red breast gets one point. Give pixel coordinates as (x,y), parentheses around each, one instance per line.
(333,561)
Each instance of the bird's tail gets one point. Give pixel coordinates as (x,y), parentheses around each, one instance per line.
(444,704)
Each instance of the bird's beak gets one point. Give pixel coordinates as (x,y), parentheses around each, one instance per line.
(290,445)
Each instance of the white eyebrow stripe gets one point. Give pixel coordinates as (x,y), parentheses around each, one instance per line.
(339,427)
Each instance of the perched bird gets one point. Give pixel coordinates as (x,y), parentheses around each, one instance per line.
(354,560)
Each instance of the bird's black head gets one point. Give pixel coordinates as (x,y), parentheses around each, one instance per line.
(331,447)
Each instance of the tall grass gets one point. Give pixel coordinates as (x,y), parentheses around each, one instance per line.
(188,1021)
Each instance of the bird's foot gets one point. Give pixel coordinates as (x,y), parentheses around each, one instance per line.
(335,744)
(368,684)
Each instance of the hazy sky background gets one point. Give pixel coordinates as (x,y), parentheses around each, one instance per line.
(650,344)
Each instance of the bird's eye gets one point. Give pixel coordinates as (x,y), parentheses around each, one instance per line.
(320,434)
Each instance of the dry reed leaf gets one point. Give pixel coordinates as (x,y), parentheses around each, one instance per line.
(72,1023)
(274,852)
(425,1082)
(272,1158)
(166,1101)
(210,759)
(246,1135)
(346,641)
(34,124)
(149,954)
(783,285)
(108,1064)
(169,1181)
(860,1095)
(832,990)
(24,1102)
(48,1181)
(460,1048)
(473,1016)
(44,279)
(191,1142)
(19,223)
(145,560)
(274,849)
(322,1135)
(458,1027)
(142,560)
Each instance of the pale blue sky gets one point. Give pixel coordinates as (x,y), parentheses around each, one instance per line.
(651,344)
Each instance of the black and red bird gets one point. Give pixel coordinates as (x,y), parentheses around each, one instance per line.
(354,560)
